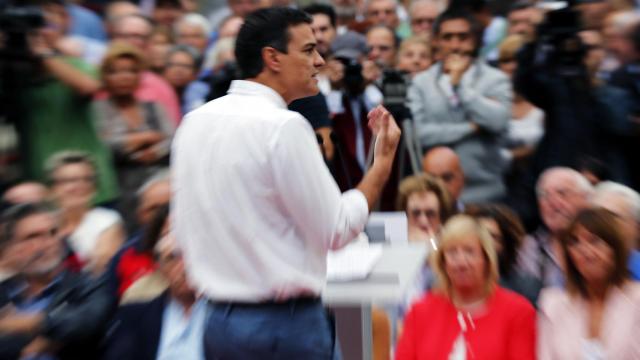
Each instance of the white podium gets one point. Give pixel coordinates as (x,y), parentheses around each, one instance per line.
(385,285)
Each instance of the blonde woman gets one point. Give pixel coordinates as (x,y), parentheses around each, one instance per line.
(468,315)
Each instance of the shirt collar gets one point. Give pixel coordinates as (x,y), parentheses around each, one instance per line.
(17,292)
(253,88)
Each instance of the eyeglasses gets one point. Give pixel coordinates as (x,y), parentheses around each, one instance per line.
(180,65)
(429,213)
(420,21)
(143,37)
(506,60)
(381,48)
(76,179)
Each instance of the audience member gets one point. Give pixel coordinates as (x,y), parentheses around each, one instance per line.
(382,12)
(444,163)
(423,14)
(468,314)
(84,22)
(562,193)
(59,21)
(508,234)
(167,12)
(526,127)
(192,30)
(596,313)
(117,9)
(463,103)
(627,77)
(240,8)
(94,234)
(138,133)
(427,204)
(136,30)
(170,326)
(323,26)
(523,17)
(48,310)
(623,202)
(382,47)
(134,259)
(414,55)
(50,105)
(25,192)
(180,70)
(159,44)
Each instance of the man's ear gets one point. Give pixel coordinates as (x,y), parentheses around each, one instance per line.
(271,59)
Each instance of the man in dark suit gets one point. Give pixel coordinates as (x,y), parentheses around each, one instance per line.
(169,326)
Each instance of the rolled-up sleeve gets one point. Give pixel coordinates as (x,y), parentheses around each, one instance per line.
(308,192)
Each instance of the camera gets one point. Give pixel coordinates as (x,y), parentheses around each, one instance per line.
(16,23)
(558,35)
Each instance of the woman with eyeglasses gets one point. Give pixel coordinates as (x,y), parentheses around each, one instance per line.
(427,204)
(597,316)
(468,315)
(138,133)
(508,234)
(94,234)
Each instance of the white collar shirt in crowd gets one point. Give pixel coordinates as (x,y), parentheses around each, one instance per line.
(254,206)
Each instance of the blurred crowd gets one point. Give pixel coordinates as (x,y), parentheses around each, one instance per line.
(516,168)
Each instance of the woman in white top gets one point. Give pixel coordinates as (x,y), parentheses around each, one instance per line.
(527,121)
(597,317)
(94,234)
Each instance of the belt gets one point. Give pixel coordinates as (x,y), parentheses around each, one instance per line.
(296,301)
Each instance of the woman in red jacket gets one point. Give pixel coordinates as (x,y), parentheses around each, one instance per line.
(468,315)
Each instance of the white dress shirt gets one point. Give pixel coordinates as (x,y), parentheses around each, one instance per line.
(254,206)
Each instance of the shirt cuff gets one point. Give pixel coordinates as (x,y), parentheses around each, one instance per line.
(359,206)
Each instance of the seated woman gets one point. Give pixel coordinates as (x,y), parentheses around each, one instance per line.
(508,233)
(139,133)
(598,314)
(94,234)
(468,315)
(427,204)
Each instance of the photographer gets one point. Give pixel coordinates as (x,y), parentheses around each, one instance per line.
(48,98)
(584,118)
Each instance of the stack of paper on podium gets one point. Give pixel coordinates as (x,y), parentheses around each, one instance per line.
(353,262)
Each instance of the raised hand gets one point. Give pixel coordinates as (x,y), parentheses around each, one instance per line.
(387,133)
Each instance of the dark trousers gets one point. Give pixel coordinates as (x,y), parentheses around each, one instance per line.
(297,329)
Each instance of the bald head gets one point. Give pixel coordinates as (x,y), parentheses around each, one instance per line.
(444,163)
(26,192)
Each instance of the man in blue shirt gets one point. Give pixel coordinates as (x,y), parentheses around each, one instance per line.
(48,311)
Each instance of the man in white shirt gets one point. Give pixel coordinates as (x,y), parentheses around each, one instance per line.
(256,209)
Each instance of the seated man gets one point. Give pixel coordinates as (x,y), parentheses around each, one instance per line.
(48,310)
(170,326)
(562,192)
(444,163)
(25,192)
(132,261)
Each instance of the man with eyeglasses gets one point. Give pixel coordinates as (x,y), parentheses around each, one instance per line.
(48,311)
(463,103)
(562,192)
(423,14)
